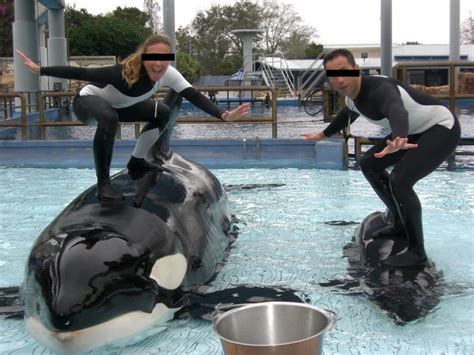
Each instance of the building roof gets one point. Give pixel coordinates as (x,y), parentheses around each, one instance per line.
(212,80)
(432,50)
(421,50)
(303,64)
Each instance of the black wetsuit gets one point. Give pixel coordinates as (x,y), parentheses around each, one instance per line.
(407,113)
(108,100)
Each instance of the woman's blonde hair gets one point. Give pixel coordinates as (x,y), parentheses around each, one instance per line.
(132,65)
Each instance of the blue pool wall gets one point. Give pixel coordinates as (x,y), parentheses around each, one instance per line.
(212,153)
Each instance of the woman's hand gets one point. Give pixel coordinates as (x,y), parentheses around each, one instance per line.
(315,136)
(237,113)
(394,146)
(35,68)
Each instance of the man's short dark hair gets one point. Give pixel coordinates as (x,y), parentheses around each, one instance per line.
(341,52)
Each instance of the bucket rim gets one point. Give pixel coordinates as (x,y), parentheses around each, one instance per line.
(330,316)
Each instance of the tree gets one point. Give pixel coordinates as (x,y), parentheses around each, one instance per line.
(313,50)
(281,24)
(126,30)
(210,40)
(152,9)
(116,33)
(187,66)
(80,27)
(184,40)
(6,35)
(467,31)
(295,45)
(242,15)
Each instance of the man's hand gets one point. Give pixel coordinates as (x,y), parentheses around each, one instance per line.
(394,146)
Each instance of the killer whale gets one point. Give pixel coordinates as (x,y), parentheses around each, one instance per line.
(100,273)
(405,294)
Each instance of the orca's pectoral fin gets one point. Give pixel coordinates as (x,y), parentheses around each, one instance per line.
(341,223)
(202,306)
(350,285)
(241,187)
(332,283)
(10,305)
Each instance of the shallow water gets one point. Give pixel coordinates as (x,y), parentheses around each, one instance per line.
(283,241)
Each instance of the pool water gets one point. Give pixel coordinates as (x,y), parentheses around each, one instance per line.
(283,241)
(292,121)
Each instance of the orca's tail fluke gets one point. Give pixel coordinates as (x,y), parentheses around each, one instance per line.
(10,305)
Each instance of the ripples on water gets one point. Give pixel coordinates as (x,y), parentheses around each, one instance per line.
(284,240)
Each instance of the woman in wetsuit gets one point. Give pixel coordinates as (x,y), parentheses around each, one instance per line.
(123,93)
(423,134)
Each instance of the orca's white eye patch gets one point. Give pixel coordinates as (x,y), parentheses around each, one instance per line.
(169,271)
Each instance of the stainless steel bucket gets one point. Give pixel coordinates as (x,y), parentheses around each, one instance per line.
(285,328)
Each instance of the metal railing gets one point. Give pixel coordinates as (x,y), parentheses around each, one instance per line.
(45,99)
(277,65)
(43,123)
(312,76)
(273,120)
(9,106)
(360,141)
(401,72)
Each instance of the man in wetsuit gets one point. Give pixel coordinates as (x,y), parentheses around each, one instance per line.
(423,134)
(123,93)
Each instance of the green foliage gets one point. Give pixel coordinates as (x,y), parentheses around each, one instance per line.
(187,66)
(184,40)
(467,31)
(6,20)
(117,33)
(295,45)
(313,50)
(281,24)
(209,39)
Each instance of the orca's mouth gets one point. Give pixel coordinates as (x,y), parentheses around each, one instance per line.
(131,324)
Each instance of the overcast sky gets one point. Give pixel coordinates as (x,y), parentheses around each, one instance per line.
(337,21)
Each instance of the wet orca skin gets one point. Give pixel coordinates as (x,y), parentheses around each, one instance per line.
(405,294)
(99,274)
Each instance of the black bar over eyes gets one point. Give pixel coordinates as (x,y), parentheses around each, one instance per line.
(343,72)
(158,56)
